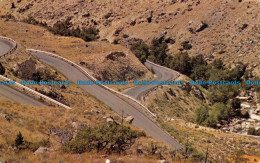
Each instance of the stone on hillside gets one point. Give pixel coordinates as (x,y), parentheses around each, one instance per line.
(129,119)
(86,15)
(170,40)
(201,27)
(43,150)
(109,119)
(133,22)
(161,161)
(244,113)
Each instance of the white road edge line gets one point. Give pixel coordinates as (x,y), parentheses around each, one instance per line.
(35,92)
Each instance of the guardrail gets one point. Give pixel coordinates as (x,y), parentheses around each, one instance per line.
(14,45)
(92,78)
(18,85)
(34,92)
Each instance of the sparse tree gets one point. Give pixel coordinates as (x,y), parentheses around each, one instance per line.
(19,140)
(2,69)
(13,6)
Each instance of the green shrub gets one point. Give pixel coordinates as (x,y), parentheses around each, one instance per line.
(211,117)
(253,131)
(211,121)
(221,112)
(109,138)
(186,45)
(198,60)
(218,64)
(2,69)
(201,114)
(181,62)
(18,140)
(140,50)
(22,144)
(200,72)
(159,51)
(64,29)
(125,35)
(222,93)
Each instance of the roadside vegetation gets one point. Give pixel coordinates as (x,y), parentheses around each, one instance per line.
(109,138)
(21,144)
(2,69)
(253,131)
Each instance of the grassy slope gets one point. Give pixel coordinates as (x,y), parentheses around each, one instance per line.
(34,122)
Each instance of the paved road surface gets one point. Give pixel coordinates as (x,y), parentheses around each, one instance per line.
(5,46)
(10,93)
(111,100)
(161,75)
(14,95)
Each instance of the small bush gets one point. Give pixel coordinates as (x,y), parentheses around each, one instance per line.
(109,138)
(64,29)
(125,35)
(181,62)
(2,69)
(22,144)
(116,41)
(186,45)
(253,131)
(13,5)
(202,114)
(140,50)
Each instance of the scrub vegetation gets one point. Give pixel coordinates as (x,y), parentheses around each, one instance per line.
(64,29)
(223,104)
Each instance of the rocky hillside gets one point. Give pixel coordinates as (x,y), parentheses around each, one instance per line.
(104,60)
(216,29)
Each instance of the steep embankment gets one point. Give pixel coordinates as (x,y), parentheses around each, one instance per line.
(10,93)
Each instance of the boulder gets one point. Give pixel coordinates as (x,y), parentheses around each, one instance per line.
(43,150)
(150,17)
(133,22)
(109,119)
(118,30)
(244,113)
(201,27)
(86,15)
(129,119)
(170,40)
(161,161)
(186,45)
(7,117)
(197,92)
(108,15)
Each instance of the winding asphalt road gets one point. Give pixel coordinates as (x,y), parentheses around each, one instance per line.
(117,104)
(10,93)
(161,75)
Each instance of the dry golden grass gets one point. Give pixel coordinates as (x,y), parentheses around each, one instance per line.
(34,122)
(168,106)
(222,146)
